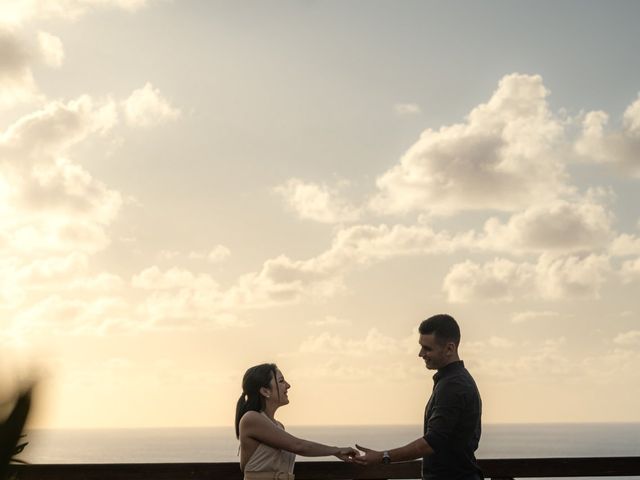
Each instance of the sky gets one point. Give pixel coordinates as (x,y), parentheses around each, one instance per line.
(189,188)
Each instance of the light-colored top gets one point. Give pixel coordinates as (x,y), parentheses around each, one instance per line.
(269,459)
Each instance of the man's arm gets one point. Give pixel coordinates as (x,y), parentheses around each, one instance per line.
(416,449)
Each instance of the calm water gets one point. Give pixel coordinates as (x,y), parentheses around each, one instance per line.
(219,444)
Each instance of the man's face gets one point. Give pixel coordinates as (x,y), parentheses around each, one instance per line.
(434,353)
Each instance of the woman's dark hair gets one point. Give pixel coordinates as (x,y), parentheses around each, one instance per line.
(254,379)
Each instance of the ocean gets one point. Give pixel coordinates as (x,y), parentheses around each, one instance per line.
(218,444)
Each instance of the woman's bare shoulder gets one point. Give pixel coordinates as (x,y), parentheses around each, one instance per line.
(251,418)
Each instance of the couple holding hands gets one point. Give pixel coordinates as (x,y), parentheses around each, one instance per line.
(451,420)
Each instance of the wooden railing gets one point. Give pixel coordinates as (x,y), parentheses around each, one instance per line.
(493,468)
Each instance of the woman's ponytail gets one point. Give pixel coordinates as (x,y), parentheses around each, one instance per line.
(241,409)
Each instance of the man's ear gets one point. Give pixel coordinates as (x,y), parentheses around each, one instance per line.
(451,348)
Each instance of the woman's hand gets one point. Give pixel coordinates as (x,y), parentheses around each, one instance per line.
(346,454)
(369,457)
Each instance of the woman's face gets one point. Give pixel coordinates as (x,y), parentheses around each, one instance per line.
(279,388)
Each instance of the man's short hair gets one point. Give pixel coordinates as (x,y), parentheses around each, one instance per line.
(443,326)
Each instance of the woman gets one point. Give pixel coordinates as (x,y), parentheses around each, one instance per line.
(266,450)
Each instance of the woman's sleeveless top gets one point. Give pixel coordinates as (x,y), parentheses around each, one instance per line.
(269,459)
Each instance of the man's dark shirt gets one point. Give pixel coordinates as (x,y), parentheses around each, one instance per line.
(452,425)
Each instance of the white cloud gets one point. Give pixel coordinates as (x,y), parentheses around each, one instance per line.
(500,342)
(283,280)
(217,254)
(169,254)
(316,202)
(16,78)
(619,148)
(16,12)
(98,283)
(631,270)
(617,365)
(572,277)
(559,226)
(329,320)
(630,338)
(540,363)
(373,343)
(499,279)
(529,316)
(180,299)
(504,157)
(52,204)
(58,315)
(406,109)
(53,269)
(51,49)
(625,245)
(552,278)
(146,107)
(153,278)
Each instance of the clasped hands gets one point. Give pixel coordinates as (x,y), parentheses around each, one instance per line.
(362,456)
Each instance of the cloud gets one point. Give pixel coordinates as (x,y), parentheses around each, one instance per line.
(282,280)
(500,342)
(619,365)
(552,278)
(316,202)
(631,270)
(52,204)
(560,226)
(53,269)
(504,157)
(180,299)
(499,279)
(373,343)
(153,278)
(406,109)
(51,49)
(543,362)
(18,54)
(217,254)
(630,338)
(58,315)
(365,243)
(329,321)
(572,277)
(16,78)
(619,148)
(17,12)
(625,245)
(146,107)
(529,316)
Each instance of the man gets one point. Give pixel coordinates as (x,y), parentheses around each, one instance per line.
(452,415)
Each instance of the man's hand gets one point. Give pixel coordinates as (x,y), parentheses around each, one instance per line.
(369,457)
(347,454)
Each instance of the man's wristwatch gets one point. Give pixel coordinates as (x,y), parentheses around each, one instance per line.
(386,459)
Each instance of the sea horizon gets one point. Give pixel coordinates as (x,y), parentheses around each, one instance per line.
(218,443)
(328,425)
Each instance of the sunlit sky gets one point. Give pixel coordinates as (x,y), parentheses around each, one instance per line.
(189,188)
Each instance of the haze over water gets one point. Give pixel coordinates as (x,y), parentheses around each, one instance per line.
(219,444)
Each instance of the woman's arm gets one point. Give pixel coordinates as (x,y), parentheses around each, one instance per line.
(261,429)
